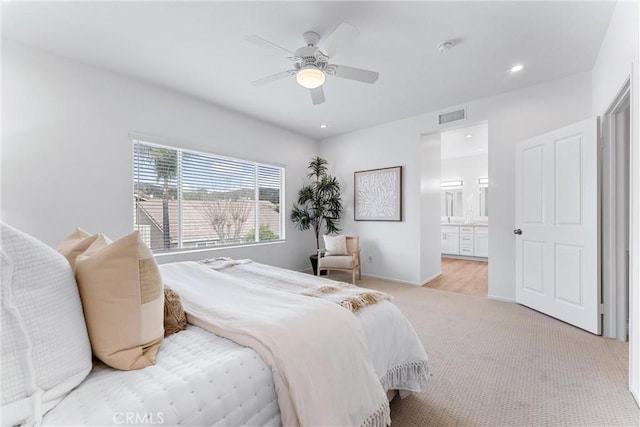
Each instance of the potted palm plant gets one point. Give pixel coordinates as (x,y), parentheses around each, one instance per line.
(319,204)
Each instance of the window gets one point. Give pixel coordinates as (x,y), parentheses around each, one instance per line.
(190,200)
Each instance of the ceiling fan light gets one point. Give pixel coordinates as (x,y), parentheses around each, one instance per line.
(310,78)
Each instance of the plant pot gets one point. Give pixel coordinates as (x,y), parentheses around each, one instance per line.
(314,264)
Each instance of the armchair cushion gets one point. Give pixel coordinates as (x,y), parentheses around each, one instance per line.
(335,245)
(337,261)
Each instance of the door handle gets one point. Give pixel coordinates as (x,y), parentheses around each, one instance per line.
(517,231)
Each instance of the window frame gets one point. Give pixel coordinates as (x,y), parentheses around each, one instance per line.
(208,246)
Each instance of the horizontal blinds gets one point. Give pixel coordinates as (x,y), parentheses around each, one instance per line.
(155,190)
(209,201)
(269,183)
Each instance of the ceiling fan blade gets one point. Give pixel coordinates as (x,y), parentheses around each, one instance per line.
(317,95)
(259,41)
(273,77)
(358,74)
(342,36)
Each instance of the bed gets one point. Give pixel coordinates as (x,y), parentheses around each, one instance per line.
(323,364)
(203,379)
(398,356)
(199,379)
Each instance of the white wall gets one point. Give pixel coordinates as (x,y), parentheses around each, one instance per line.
(430,207)
(394,246)
(512,117)
(468,169)
(617,61)
(67,158)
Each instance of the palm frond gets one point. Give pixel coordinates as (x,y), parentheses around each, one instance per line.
(319,202)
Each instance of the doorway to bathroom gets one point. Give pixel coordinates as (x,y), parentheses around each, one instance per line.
(464,210)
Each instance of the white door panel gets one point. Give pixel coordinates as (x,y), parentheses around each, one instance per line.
(557,264)
(532,163)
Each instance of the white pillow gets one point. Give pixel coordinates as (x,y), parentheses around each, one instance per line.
(335,245)
(45,349)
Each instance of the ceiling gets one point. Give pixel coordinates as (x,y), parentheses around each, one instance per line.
(465,142)
(198,48)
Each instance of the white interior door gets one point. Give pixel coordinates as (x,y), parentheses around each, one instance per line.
(557,261)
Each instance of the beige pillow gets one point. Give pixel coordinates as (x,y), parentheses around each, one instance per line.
(123,301)
(77,243)
(72,240)
(175,320)
(335,245)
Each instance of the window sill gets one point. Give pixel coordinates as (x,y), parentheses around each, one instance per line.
(216,248)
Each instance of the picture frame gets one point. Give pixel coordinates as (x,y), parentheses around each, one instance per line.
(378,194)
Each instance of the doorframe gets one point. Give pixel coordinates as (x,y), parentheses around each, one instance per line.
(615,296)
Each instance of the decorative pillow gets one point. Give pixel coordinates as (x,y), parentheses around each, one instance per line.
(121,291)
(335,245)
(45,349)
(175,320)
(71,240)
(77,243)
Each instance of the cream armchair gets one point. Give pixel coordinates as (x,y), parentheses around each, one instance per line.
(339,256)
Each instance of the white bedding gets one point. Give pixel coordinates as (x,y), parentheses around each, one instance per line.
(199,379)
(398,356)
(316,349)
(203,379)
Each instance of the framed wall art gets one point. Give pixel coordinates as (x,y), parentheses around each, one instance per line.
(378,194)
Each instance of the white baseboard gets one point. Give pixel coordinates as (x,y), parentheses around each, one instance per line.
(434,277)
(467,258)
(499,298)
(391,279)
(635,395)
(405,282)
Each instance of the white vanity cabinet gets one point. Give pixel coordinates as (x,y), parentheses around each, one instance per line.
(465,240)
(450,239)
(481,241)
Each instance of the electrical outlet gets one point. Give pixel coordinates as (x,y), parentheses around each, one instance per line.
(370,259)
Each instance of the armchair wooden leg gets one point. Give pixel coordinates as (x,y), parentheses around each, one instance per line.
(353,276)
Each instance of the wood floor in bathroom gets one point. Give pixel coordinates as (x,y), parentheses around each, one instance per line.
(462,276)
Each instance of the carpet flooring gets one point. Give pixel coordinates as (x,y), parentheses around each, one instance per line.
(502,364)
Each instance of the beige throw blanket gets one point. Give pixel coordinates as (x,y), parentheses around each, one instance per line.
(347,295)
(316,350)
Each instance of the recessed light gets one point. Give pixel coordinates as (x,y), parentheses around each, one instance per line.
(517,68)
(469,136)
(323,126)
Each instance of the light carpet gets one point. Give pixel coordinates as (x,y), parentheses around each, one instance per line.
(501,364)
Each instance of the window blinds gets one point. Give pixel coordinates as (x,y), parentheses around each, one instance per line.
(188,200)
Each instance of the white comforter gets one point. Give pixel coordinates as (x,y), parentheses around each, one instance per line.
(199,379)
(316,349)
(397,354)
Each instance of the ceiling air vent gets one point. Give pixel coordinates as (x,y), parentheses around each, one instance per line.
(451,116)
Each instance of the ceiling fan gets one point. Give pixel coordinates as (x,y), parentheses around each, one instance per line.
(311,62)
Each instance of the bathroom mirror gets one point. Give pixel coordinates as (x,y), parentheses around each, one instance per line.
(484,201)
(451,202)
(483,208)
